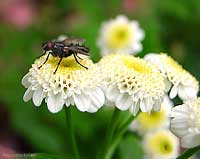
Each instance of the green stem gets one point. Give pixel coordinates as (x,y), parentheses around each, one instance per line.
(117,138)
(112,126)
(110,132)
(186,154)
(71,132)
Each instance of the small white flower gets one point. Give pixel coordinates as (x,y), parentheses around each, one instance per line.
(71,85)
(186,123)
(177,79)
(146,122)
(131,83)
(120,35)
(161,144)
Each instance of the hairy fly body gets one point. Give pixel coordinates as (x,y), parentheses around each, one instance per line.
(64,49)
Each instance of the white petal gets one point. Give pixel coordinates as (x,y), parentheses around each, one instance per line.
(157,105)
(142,106)
(167,85)
(137,47)
(135,108)
(180,111)
(25,81)
(97,99)
(38,96)
(82,102)
(123,101)
(146,105)
(190,140)
(152,57)
(112,93)
(173,92)
(186,92)
(67,102)
(179,127)
(121,19)
(28,94)
(55,102)
(109,103)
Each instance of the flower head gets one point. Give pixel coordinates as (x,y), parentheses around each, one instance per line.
(72,84)
(181,81)
(161,144)
(186,123)
(146,122)
(120,35)
(131,83)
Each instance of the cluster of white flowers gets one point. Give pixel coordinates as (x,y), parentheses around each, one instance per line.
(185,122)
(133,84)
(128,83)
(158,141)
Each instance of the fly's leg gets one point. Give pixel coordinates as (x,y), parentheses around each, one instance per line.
(78,56)
(78,61)
(58,65)
(45,60)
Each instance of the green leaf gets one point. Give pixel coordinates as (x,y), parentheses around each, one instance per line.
(188,153)
(130,147)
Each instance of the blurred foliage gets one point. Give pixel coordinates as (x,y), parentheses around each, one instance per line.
(170,26)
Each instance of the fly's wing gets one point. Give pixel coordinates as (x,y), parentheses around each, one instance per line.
(79,50)
(74,41)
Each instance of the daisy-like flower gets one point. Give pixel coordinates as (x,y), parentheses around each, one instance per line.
(131,83)
(186,123)
(71,85)
(146,122)
(161,144)
(120,35)
(181,82)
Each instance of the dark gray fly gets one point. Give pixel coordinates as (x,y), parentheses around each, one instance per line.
(64,49)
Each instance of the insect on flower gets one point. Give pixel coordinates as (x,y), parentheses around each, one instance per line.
(65,48)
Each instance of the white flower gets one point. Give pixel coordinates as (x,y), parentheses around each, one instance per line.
(177,79)
(71,85)
(120,35)
(131,83)
(161,144)
(146,122)
(186,123)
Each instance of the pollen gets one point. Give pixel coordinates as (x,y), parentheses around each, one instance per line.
(66,66)
(120,36)
(135,79)
(161,144)
(152,120)
(137,64)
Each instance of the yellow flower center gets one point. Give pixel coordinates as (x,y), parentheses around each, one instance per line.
(152,120)
(162,143)
(136,64)
(119,36)
(66,66)
(173,64)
